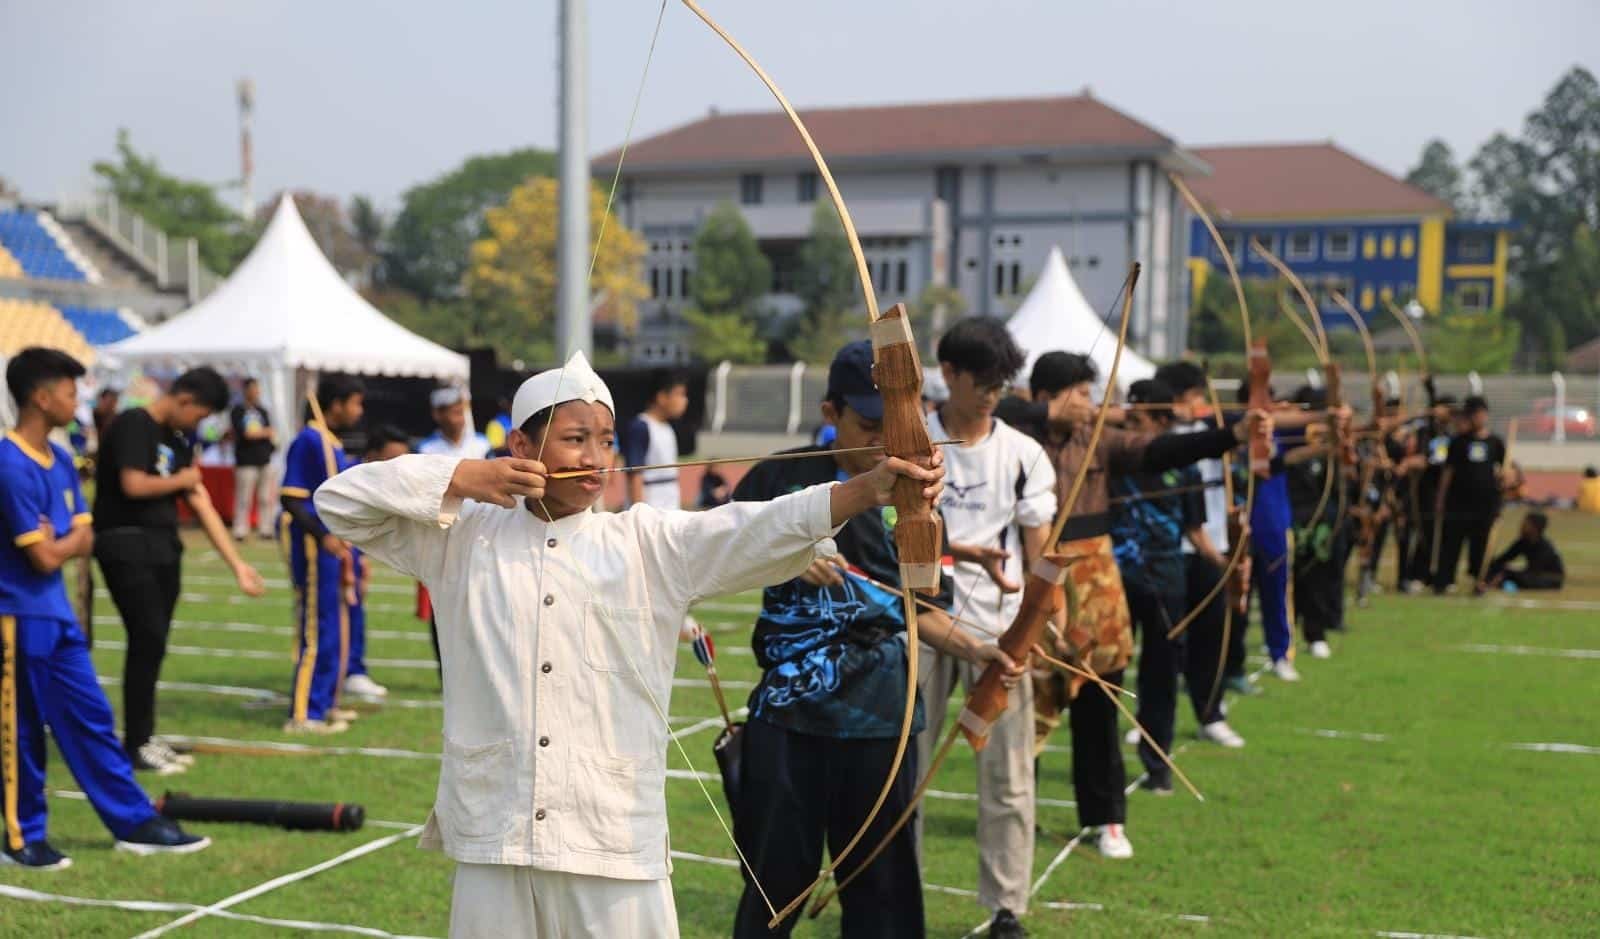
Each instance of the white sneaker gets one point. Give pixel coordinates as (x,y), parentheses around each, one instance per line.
(1113,843)
(320,728)
(1132,737)
(151,758)
(363,686)
(1219,732)
(169,754)
(1412,587)
(1321,650)
(1284,669)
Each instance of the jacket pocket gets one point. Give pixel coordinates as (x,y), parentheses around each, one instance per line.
(475,789)
(618,805)
(614,636)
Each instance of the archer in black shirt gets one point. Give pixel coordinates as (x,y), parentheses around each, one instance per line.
(1469,493)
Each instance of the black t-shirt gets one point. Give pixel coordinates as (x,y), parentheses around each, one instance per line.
(833,659)
(1473,487)
(247,452)
(136,441)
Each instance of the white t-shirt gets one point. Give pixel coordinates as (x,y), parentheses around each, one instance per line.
(991,488)
(650,441)
(471,446)
(1216,526)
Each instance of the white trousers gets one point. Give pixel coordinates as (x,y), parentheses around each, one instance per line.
(491,901)
(250,482)
(1005,779)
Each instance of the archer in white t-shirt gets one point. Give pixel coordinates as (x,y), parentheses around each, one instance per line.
(998,503)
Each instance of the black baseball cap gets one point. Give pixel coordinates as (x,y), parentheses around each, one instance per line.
(850,378)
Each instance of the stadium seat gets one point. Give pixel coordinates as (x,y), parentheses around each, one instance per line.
(25,323)
(100,326)
(35,249)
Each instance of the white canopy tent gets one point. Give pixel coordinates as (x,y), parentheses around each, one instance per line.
(286,308)
(1056,317)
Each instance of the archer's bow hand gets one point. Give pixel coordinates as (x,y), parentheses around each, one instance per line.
(875,487)
(1011,671)
(498,482)
(1257,424)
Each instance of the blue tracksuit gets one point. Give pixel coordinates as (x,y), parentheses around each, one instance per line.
(1270,519)
(46,677)
(325,620)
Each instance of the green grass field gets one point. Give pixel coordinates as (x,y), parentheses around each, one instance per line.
(1382,795)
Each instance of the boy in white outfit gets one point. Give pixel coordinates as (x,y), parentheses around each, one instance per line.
(557,629)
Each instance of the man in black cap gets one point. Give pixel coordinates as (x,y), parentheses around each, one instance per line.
(826,715)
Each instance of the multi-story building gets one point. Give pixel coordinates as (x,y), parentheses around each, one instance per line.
(1342,224)
(971,194)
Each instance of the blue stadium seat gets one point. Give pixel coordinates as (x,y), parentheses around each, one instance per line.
(100,326)
(34,249)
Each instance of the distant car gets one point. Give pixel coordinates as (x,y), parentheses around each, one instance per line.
(1577,421)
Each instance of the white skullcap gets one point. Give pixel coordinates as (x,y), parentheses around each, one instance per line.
(575,381)
(448,395)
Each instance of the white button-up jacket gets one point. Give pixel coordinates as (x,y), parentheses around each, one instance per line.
(558,643)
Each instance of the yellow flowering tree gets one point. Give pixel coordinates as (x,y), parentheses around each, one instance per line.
(511,276)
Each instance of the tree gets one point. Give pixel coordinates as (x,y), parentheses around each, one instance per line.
(330,229)
(511,281)
(730,272)
(367,224)
(826,279)
(1437,174)
(426,250)
(1548,181)
(1472,342)
(719,337)
(181,208)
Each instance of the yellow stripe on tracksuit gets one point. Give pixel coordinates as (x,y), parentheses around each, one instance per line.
(10,746)
(308,621)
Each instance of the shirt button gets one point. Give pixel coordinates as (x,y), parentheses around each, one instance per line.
(539,815)
(550,544)
(549,599)
(544,741)
(546,668)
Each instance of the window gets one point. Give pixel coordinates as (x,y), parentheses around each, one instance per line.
(999,280)
(1339,246)
(1369,246)
(1302,246)
(1473,298)
(683,280)
(655,283)
(1016,278)
(1475,246)
(1330,286)
(1265,240)
(1408,245)
(750,189)
(1366,297)
(667,291)
(900,278)
(1235,243)
(947,184)
(807,191)
(1388,246)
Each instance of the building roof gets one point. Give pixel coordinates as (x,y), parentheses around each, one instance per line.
(1024,125)
(1303,180)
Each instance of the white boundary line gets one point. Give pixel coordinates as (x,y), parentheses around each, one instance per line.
(1556,748)
(1532,650)
(1343,734)
(376,845)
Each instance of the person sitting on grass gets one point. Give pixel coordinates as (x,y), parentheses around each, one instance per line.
(46,676)
(1541,569)
(558,628)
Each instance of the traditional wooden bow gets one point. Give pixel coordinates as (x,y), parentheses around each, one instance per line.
(1379,455)
(1260,397)
(1426,375)
(897,369)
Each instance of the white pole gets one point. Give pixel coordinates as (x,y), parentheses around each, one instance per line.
(719,414)
(574,332)
(797,373)
(1558,433)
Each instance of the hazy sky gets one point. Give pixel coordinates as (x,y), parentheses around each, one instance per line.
(361,96)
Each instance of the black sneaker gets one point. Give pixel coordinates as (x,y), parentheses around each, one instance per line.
(1154,786)
(37,856)
(162,836)
(1005,925)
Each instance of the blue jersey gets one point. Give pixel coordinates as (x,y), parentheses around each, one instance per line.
(305,469)
(38,488)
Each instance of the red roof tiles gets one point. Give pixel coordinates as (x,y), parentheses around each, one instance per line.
(909,130)
(1303,180)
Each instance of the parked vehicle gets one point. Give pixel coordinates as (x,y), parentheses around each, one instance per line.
(1541,421)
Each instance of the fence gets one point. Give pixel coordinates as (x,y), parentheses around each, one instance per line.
(1554,408)
(173,262)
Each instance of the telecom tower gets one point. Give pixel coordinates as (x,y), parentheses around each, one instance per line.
(247,168)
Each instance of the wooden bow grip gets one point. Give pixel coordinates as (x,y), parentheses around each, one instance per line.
(1042,598)
(897,369)
(1260,399)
